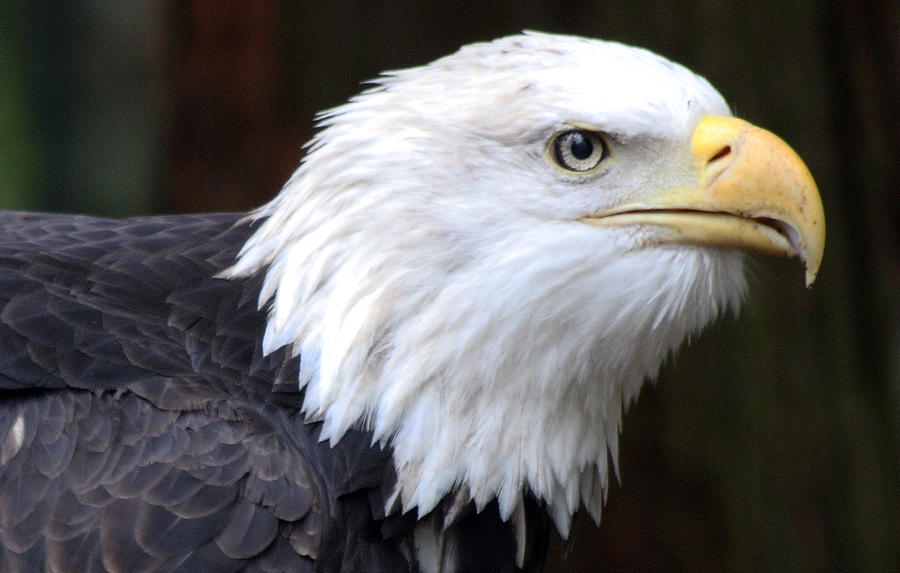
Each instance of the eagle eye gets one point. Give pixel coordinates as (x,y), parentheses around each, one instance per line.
(578,150)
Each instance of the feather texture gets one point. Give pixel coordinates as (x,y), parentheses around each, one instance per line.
(147,430)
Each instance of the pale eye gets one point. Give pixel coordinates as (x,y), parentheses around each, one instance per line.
(578,150)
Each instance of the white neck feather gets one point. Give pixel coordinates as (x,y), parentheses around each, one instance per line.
(493,372)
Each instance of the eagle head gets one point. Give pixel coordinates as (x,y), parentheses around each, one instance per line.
(482,259)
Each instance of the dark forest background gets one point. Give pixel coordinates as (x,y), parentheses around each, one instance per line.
(772,443)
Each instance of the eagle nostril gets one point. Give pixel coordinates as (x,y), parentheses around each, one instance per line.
(724,152)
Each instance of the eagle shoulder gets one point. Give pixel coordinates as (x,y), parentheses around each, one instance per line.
(141,425)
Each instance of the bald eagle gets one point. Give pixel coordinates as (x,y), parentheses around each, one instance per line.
(416,357)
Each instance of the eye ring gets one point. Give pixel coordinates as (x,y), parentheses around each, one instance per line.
(578,150)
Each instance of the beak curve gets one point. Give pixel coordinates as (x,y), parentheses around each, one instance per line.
(752,192)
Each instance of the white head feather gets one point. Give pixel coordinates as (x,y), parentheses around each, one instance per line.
(427,263)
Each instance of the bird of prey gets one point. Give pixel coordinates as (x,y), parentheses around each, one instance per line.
(414,358)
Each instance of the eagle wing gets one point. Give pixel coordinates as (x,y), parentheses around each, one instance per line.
(141,425)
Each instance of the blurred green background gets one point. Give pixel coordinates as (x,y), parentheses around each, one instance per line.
(770,444)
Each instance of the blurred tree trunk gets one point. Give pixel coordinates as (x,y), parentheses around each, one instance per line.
(233,143)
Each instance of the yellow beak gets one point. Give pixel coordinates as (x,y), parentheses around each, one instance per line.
(752,192)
